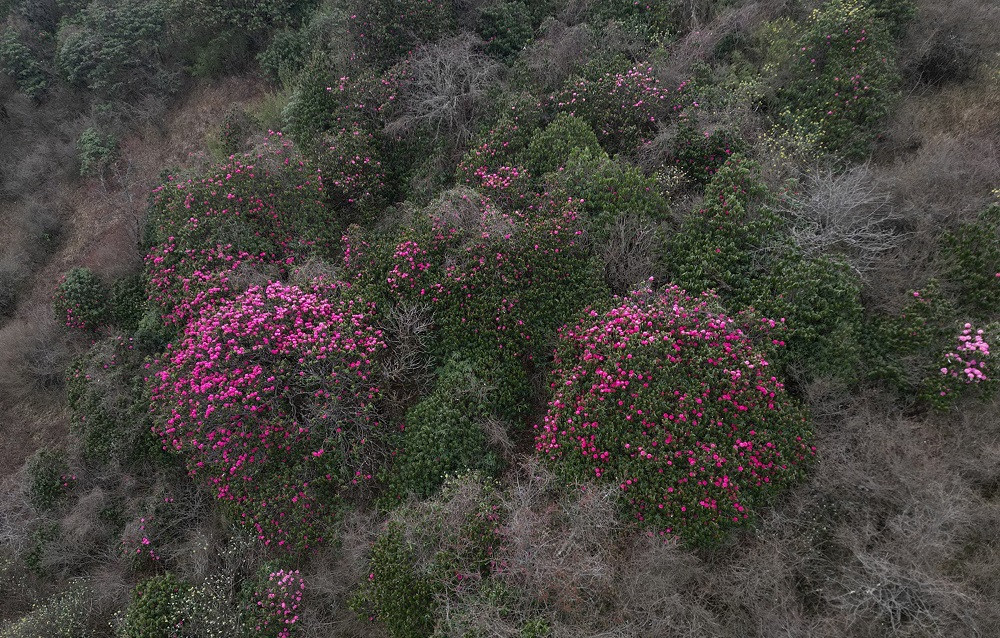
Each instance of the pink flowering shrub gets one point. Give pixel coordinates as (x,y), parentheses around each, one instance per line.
(676,404)
(256,210)
(624,108)
(353,176)
(270,399)
(701,153)
(494,162)
(277,603)
(499,283)
(967,364)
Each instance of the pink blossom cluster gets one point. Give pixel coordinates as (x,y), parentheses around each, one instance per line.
(968,360)
(269,397)
(140,543)
(676,404)
(279,602)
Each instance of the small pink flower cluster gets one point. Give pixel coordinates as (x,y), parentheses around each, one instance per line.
(139,544)
(280,601)
(968,360)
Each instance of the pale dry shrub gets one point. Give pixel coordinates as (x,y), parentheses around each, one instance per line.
(630,252)
(446,90)
(844,214)
(560,51)
(333,574)
(407,367)
(948,179)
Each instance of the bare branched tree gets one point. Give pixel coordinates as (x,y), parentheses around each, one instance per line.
(447,88)
(843,214)
(629,253)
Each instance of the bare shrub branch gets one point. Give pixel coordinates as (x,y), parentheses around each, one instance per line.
(843,214)
(629,253)
(448,84)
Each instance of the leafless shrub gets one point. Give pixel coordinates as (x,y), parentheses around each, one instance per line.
(659,591)
(699,44)
(558,549)
(843,214)
(406,366)
(878,586)
(948,40)
(948,178)
(447,88)
(16,515)
(629,252)
(333,574)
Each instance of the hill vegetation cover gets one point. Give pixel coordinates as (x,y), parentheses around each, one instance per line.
(469,318)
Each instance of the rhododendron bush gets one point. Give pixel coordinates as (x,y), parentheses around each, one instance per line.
(270,400)
(499,283)
(624,108)
(675,403)
(261,209)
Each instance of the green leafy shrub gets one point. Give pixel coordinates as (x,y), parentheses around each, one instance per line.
(388,29)
(127,301)
(820,301)
(95,151)
(114,50)
(429,551)
(605,189)
(41,542)
(675,403)
(156,609)
(23,64)
(447,432)
(109,408)
(49,478)
(224,53)
(720,245)
(736,246)
(700,155)
(506,27)
(550,147)
(81,300)
(844,79)
(285,56)
(972,253)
